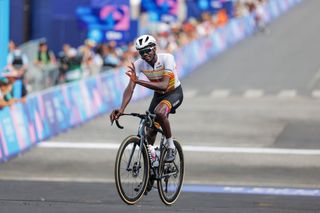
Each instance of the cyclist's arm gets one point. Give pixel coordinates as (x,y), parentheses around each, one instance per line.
(163,84)
(127,95)
(160,85)
(4,103)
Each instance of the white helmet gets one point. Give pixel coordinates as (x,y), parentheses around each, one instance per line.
(145,41)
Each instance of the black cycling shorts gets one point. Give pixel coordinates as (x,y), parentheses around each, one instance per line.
(172,99)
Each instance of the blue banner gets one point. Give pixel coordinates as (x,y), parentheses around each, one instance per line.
(50,112)
(75,104)
(37,119)
(107,20)
(9,139)
(20,122)
(196,7)
(1,150)
(94,96)
(160,10)
(102,3)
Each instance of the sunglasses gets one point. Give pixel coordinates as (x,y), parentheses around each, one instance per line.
(146,50)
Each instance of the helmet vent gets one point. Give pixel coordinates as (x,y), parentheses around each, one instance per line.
(140,41)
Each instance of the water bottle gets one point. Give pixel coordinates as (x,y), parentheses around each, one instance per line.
(152,153)
(153,156)
(156,162)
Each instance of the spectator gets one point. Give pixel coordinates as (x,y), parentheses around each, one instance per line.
(5,88)
(46,63)
(64,62)
(16,59)
(18,63)
(62,58)
(260,17)
(17,91)
(129,54)
(73,70)
(110,56)
(91,62)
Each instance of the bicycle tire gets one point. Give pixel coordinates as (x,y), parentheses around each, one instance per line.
(127,190)
(175,189)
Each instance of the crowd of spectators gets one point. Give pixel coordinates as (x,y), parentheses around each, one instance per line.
(75,63)
(255,7)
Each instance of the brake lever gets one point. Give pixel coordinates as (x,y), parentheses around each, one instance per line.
(118,125)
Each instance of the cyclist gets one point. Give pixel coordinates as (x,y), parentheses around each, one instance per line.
(160,69)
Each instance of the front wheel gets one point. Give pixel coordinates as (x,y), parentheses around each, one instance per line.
(131,170)
(171,176)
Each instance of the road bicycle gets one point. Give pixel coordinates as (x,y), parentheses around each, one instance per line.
(136,171)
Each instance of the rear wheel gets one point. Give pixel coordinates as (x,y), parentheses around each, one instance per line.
(171,176)
(131,170)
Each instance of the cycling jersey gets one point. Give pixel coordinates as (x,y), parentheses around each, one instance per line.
(165,66)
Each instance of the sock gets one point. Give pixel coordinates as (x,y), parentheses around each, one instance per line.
(170,143)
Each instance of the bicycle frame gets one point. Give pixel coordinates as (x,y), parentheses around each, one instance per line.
(145,120)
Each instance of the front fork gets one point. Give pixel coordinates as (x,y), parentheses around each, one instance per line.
(132,152)
(141,136)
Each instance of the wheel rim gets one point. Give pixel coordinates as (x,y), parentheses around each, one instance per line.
(171,182)
(131,180)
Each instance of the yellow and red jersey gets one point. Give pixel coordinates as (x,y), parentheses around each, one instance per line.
(165,66)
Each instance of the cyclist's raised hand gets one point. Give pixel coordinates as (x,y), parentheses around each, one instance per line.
(115,114)
(132,73)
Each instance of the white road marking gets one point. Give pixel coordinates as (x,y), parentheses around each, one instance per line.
(256,93)
(250,150)
(287,94)
(72,145)
(187,148)
(252,93)
(251,190)
(220,93)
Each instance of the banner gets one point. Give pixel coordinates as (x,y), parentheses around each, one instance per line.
(196,7)
(1,150)
(20,122)
(160,10)
(37,119)
(9,139)
(107,20)
(94,97)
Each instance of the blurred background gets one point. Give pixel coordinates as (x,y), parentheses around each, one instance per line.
(100,34)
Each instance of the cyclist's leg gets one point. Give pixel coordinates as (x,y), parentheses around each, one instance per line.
(151,135)
(162,111)
(150,132)
(168,103)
